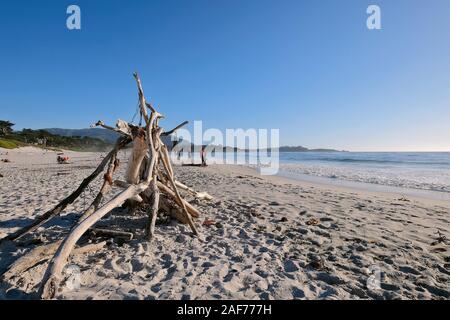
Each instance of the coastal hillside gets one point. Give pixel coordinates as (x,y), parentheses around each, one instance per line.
(98,133)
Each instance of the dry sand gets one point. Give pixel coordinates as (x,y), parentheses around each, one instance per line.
(274,238)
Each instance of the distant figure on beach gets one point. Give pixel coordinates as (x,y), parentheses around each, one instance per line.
(62,159)
(203,156)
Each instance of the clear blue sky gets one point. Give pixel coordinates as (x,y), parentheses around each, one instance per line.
(310,68)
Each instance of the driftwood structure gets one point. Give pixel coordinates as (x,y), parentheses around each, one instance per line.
(149,175)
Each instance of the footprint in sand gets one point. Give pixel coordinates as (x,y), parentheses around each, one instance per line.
(119,265)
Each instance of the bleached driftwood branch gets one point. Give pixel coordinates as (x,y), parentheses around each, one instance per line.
(198,195)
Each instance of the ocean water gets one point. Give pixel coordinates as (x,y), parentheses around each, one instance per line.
(413,170)
(423,171)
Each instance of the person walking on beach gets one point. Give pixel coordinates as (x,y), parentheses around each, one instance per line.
(203,156)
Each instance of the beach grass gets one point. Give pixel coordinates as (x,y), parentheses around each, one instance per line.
(10,144)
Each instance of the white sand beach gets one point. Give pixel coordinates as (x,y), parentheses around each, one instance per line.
(273,238)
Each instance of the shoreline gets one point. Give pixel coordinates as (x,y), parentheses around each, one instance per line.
(428,196)
(369,187)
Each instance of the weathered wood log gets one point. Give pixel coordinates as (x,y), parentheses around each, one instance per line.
(29,260)
(198,195)
(109,233)
(154,209)
(41,254)
(68,200)
(190,208)
(124,127)
(140,149)
(121,184)
(92,247)
(52,276)
(171,209)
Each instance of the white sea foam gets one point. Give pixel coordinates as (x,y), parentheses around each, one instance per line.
(415,170)
(426,179)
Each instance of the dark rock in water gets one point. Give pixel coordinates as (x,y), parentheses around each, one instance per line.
(284,219)
(303,212)
(274,203)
